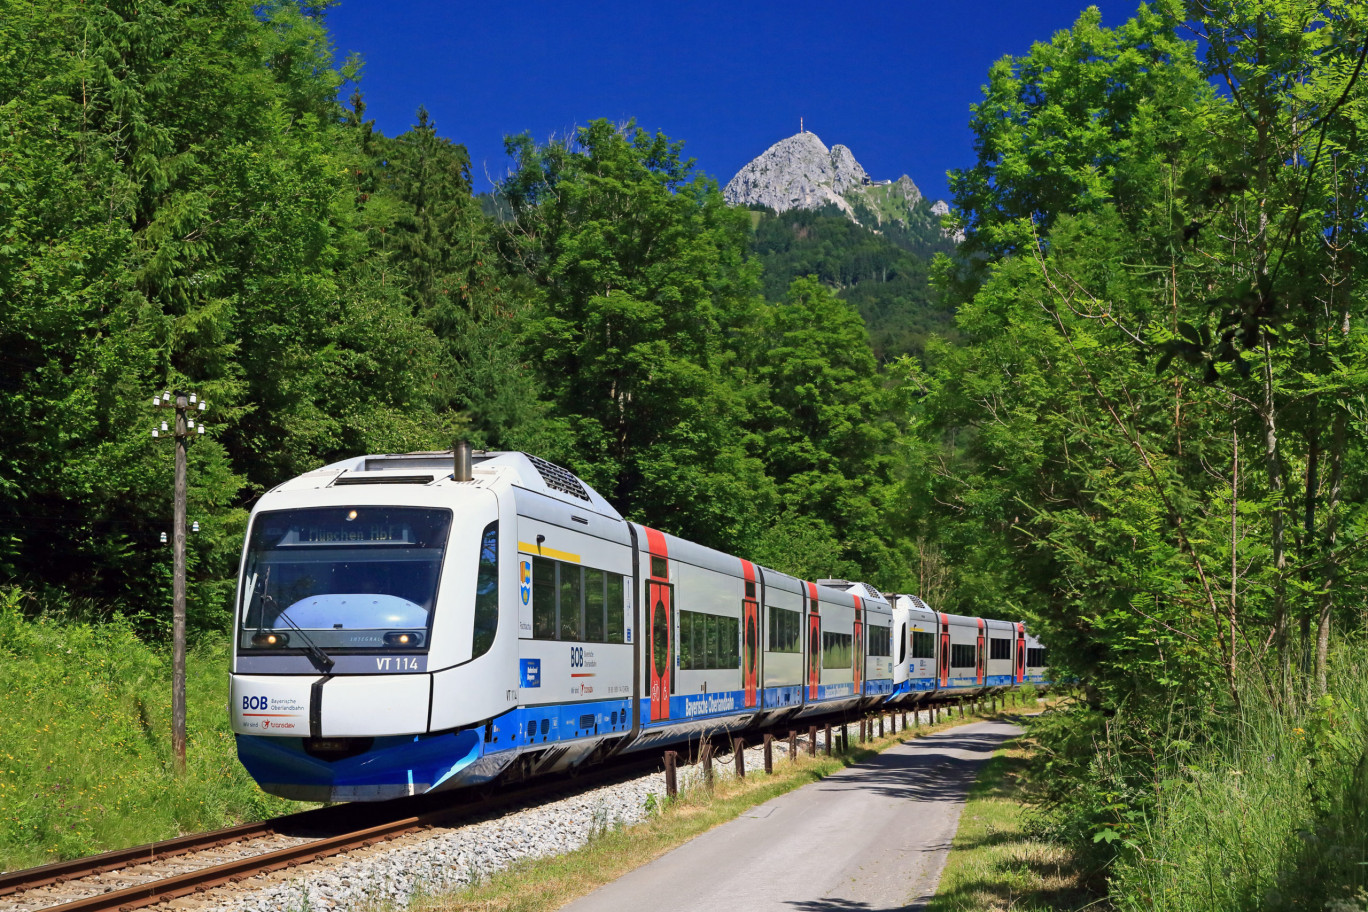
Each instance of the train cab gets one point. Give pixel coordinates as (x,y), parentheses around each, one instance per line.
(922,627)
(381,602)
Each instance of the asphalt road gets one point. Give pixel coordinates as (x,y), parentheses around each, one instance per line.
(872,837)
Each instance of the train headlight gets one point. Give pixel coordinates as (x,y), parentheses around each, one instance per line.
(270,640)
(403,638)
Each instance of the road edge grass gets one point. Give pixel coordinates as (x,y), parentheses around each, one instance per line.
(550,882)
(995,863)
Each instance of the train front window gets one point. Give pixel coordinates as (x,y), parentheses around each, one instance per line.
(343,578)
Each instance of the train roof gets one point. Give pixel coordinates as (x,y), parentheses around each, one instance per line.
(434,469)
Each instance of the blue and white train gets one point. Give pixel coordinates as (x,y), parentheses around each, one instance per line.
(435,620)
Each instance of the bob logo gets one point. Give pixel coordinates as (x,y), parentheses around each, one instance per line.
(525,581)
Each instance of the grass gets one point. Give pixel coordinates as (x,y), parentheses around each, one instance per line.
(1268,810)
(995,863)
(85,754)
(543,884)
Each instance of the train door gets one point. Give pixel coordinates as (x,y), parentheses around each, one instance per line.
(1021,653)
(944,651)
(750,621)
(660,622)
(814,644)
(858,649)
(980,669)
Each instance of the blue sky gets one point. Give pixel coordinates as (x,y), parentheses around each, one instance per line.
(893,81)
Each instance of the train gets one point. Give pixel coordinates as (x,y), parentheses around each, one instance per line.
(415,622)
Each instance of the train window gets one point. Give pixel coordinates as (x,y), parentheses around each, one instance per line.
(712,646)
(1035,657)
(1000,648)
(962,655)
(338,571)
(593,605)
(569,604)
(750,589)
(543,598)
(615,605)
(658,567)
(784,626)
(578,604)
(487,592)
(923,644)
(708,641)
(837,650)
(880,641)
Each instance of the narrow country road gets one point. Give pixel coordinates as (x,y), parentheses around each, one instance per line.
(872,837)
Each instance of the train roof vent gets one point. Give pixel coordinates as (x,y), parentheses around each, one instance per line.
(367,478)
(558,479)
(863,590)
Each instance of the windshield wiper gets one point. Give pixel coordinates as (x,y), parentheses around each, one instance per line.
(317,656)
(320,658)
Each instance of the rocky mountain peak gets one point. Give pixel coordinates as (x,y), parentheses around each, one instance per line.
(799,172)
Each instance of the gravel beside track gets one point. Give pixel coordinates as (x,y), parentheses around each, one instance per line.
(443,859)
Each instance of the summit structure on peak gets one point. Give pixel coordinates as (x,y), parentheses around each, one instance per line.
(800,172)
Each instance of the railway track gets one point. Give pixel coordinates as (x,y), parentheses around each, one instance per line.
(160,872)
(175,868)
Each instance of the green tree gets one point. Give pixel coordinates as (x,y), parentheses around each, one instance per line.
(827,438)
(642,279)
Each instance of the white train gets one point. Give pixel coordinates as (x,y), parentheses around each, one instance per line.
(406,623)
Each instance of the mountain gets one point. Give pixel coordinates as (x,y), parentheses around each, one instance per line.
(872,241)
(800,172)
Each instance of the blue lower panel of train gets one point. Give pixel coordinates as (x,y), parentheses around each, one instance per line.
(389,768)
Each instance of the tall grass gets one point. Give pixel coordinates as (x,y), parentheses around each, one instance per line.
(85,753)
(1268,812)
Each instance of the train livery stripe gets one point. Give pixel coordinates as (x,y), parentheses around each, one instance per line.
(552,553)
(656,545)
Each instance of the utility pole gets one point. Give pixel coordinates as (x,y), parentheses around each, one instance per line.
(183,430)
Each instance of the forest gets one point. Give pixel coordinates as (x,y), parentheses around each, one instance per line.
(1128,408)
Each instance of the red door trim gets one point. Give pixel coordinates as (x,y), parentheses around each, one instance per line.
(814,642)
(980,660)
(858,661)
(750,636)
(659,678)
(945,651)
(1021,653)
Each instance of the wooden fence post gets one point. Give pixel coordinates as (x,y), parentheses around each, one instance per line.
(671,781)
